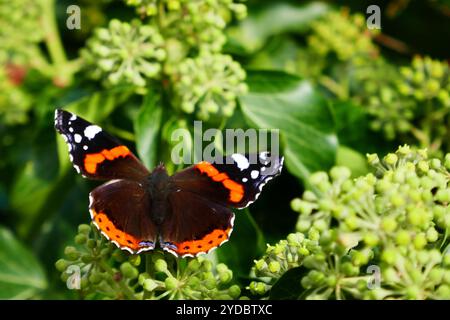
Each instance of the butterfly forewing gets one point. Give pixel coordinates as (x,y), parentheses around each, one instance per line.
(94,153)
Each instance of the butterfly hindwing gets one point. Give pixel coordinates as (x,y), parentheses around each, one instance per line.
(94,153)
(194,224)
(120,210)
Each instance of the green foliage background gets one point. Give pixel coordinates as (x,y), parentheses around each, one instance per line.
(312,69)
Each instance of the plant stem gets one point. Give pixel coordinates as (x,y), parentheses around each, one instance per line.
(148,269)
(123,288)
(54,44)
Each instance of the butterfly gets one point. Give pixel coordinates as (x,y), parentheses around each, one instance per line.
(186,214)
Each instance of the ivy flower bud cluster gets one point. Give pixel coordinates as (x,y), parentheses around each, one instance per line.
(99,270)
(195,279)
(426,79)
(413,102)
(278,259)
(393,221)
(178,44)
(125,53)
(20,29)
(212,82)
(343,35)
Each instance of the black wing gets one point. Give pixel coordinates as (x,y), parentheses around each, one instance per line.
(95,153)
(237,181)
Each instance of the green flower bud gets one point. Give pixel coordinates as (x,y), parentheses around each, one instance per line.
(446,259)
(135,260)
(390,275)
(446,277)
(193,265)
(303,225)
(91,243)
(371,239)
(84,229)
(87,258)
(420,241)
(436,275)
(234,291)
(391,159)
(413,293)
(432,235)
(388,224)
(171,283)
(128,271)
(160,265)
(61,265)
(95,278)
(225,277)
(71,253)
(403,238)
(142,277)
(389,256)
(258,288)
(348,269)
(150,285)
(207,265)
(443,292)
(274,266)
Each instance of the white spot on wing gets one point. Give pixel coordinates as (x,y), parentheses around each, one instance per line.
(73,117)
(244,179)
(77,138)
(254,174)
(85,147)
(91,131)
(241,160)
(71,129)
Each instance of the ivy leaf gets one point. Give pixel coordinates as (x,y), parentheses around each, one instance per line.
(146,127)
(277,100)
(279,17)
(353,129)
(353,160)
(21,275)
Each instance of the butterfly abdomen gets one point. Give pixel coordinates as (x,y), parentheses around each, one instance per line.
(157,186)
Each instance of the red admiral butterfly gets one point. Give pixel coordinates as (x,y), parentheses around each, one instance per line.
(188,213)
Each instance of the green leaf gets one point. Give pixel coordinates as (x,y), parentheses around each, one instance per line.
(353,129)
(245,244)
(288,287)
(277,100)
(279,17)
(353,160)
(21,275)
(146,127)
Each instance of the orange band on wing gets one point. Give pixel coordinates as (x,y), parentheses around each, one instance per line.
(92,160)
(107,226)
(236,189)
(208,242)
